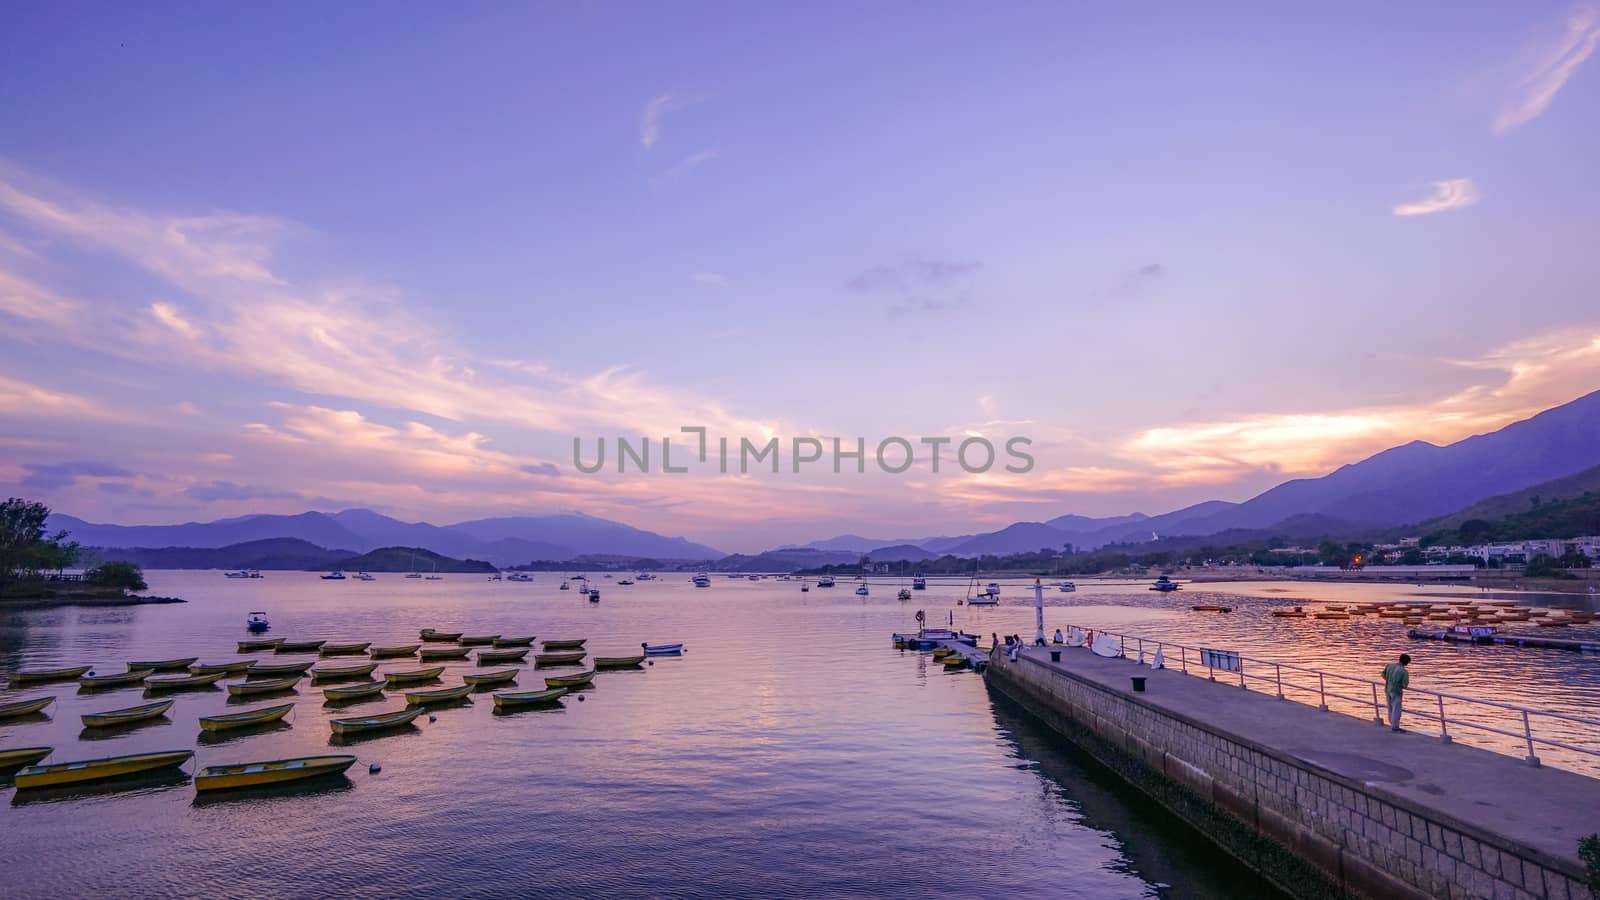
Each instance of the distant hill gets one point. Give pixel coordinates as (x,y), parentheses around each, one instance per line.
(411,559)
(287,554)
(785,560)
(1525,500)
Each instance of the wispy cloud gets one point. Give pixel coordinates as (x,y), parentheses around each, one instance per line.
(683,167)
(918,284)
(1452,193)
(20,398)
(654,112)
(1553,63)
(51,476)
(711,279)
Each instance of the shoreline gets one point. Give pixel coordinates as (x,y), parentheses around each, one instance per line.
(83,599)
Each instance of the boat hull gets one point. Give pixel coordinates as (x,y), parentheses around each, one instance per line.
(344,649)
(232,668)
(268,686)
(481,640)
(452,653)
(559,659)
(271,772)
(662,649)
(93,682)
(299,647)
(277,670)
(17,708)
(181,682)
(342,672)
(43,676)
(393,652)
(104,769)
(116,717)
(355,692)
(566,645)
(506,677)
(619,662)
(528,698)
(486,657)
(245,719)
(256,646)
(445,695)
(569,681)
(164,665)
(447,637)
(23,756)
(514,641)
(413,677)
(369,724)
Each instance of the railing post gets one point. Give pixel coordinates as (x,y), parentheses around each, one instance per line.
(1183,657)
(1279,669)
(1241,674)
(1322,691)
(1527,732)
(1377,711)
(1444,731)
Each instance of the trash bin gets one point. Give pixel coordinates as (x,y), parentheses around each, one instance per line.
(1055,655)
(1138,684)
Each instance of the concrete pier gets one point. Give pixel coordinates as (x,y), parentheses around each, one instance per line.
(1321,803)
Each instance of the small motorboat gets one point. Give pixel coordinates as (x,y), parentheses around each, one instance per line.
(571,644)
(625,581)
(344,649)
(662,649)
(444,653)
(440,637)
(227,668)
(258,622)
(164,665)
(594,595)
(565,586)
(80,771)
(984,600)
(355,691)
(277,771)
(364,576)
(480,640)
(514,641)
(702,580)
(116,717)
(519,576)
(861,590)
(245,719)
(1164,584)
(299,647)
(414,676)
(528,698)
(563,658)
(120,679)
(266,686)
(44,676)
(335,575)
(156,683)
(378,722)
(337,673)
(22,756)
(805,587)
(277,670)
(569,681)
(504,676)
(619,662)
(442,695)
(486,657)
(256,646)
(919,583)
(1066,587)
(825,581)
(392,652)
(904,594)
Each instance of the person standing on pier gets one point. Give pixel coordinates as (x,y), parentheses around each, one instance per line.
(1395,681)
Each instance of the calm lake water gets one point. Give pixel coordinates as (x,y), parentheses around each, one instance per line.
(790,752)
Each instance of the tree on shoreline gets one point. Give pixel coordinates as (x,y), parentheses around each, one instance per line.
(25,550)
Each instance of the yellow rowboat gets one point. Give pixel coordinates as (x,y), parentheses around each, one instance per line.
(942,652)
(181,682)
(618,662)
(478,641)
(164,665)
(269,686)
(298,646)
(486,657)
(18,708)
(528,698)
(375,723)
(277,771)
(448,637)
(514,641)
(22,756)
(570,681)
(390,652)
(40,676)
(954,661)
(132,714)
(443,695)
(1330,615)
(254,646)
(277,670)
(92,682)
(338,672)
(245,719)
(413,676)
(355,691)
(229,668)
(558,659)
(505,676)
(99,769)
(344,649)
(565,645)
(451,653)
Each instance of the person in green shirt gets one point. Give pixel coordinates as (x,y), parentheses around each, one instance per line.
(1395,681)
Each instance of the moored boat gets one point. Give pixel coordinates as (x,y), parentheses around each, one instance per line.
(334,673)
(257,622)
(514,641)
(266,686)
(114,717)
(1209,608)
(486,657)
(504,676)
(528,698)
(392,652)
(245,719)
(431,636)
(445,653)
(43,676)
(377,722)
(228,668)
(277,670)
(164,665)
(276,771)
(571,644)
(355,691)
(564,658)
(16,708)
(1164,584)
(344,649)
(84,770)
(440,695)
(181,682)
(477,640)
(254,646)
(662,649)
(413,676)
(22,756)
(299,646)
(954,661)
(619,662)
(120,679)
(570,681)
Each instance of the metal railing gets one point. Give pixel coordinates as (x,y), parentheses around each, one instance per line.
(1268,676)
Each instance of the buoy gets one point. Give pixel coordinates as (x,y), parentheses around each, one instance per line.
(580,698)
(433,718)
(375,768)
(651,663)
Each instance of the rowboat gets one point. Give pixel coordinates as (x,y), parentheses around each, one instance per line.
(390,652)
(127,716)
(942,652)
(500,656)
(528,698)
(558,659)
(245,719)
(428,634)
(253,646)
(570,681)
(565,645)
(24,707)
(277,670)
(268,686)
(230,668)
(344,649)
(22,756)
(662,649)
(442,695)
(40,676)
(299,647)
(514,641)
(478,640)
(99,769)
(618,662)
(355,691)
(337,672)
(137,676)
(1208,608)
(954,661)
(504,676)
(164,665)
(445,653)
(413,676)
(375,723)
(181,682)
(277,771)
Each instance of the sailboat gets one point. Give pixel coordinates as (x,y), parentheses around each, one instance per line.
(989,596)
(435,576)
(414,573)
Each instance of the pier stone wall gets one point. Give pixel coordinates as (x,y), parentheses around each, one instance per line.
(1312,832)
